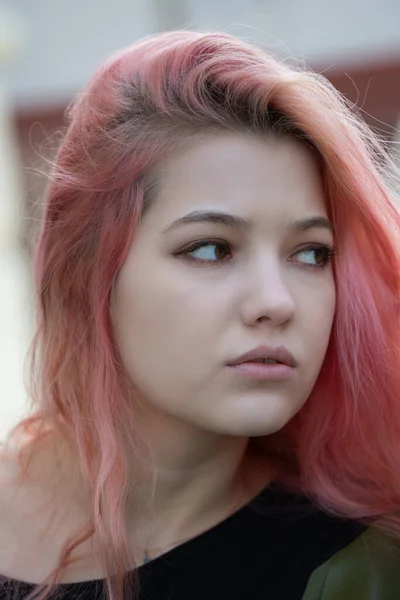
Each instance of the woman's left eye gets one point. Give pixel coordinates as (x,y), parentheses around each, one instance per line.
(207,251)
(323,255)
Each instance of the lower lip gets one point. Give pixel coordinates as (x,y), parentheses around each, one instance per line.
(264,372)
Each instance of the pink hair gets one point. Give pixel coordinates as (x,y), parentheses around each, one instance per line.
(342,449)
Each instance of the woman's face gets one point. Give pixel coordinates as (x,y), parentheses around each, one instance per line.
(193,296)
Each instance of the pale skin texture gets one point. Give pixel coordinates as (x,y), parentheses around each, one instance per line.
(178,322)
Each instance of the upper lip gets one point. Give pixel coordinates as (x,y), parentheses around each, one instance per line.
(279,353)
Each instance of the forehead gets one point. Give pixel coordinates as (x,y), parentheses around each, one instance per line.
(242,174)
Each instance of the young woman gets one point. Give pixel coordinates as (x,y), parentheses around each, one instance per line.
(216,366)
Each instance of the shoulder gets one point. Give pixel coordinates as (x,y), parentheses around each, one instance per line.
(36,515)
(369,567)
(21,526)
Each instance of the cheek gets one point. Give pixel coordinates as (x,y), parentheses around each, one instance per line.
(163,338)
(163,323)
(317,315)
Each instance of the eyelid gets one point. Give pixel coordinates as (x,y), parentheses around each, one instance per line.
(203,242)
(210,241)
(185,252)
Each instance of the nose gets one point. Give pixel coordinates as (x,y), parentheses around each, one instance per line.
(266,297)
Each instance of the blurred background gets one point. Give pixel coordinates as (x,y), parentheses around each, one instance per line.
(49,49)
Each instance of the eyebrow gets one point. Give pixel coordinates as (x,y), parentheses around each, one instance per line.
(236,222)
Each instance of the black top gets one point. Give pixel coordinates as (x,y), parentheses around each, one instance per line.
(268,549)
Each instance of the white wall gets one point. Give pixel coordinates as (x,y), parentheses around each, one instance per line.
(67,39)
(316,29)
(15,290)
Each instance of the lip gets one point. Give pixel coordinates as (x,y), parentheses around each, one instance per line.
(261,372)
(279,353)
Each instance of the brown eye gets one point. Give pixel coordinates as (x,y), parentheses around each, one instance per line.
(207,252)
(317,256)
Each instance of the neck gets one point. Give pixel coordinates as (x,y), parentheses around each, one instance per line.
(194,479)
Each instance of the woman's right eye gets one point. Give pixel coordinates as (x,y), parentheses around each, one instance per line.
(206,252)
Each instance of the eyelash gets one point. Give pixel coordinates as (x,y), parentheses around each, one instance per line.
(330,250)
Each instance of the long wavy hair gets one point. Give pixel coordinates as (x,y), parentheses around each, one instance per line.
(342,448)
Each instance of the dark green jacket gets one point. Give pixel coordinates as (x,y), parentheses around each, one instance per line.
(366,569)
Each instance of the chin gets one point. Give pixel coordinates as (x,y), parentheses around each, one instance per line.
(254,429)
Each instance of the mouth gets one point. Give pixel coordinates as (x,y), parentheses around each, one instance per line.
(266,355)
(263,361)
(259,370)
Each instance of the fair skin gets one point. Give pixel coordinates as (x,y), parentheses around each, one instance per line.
(178,322)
